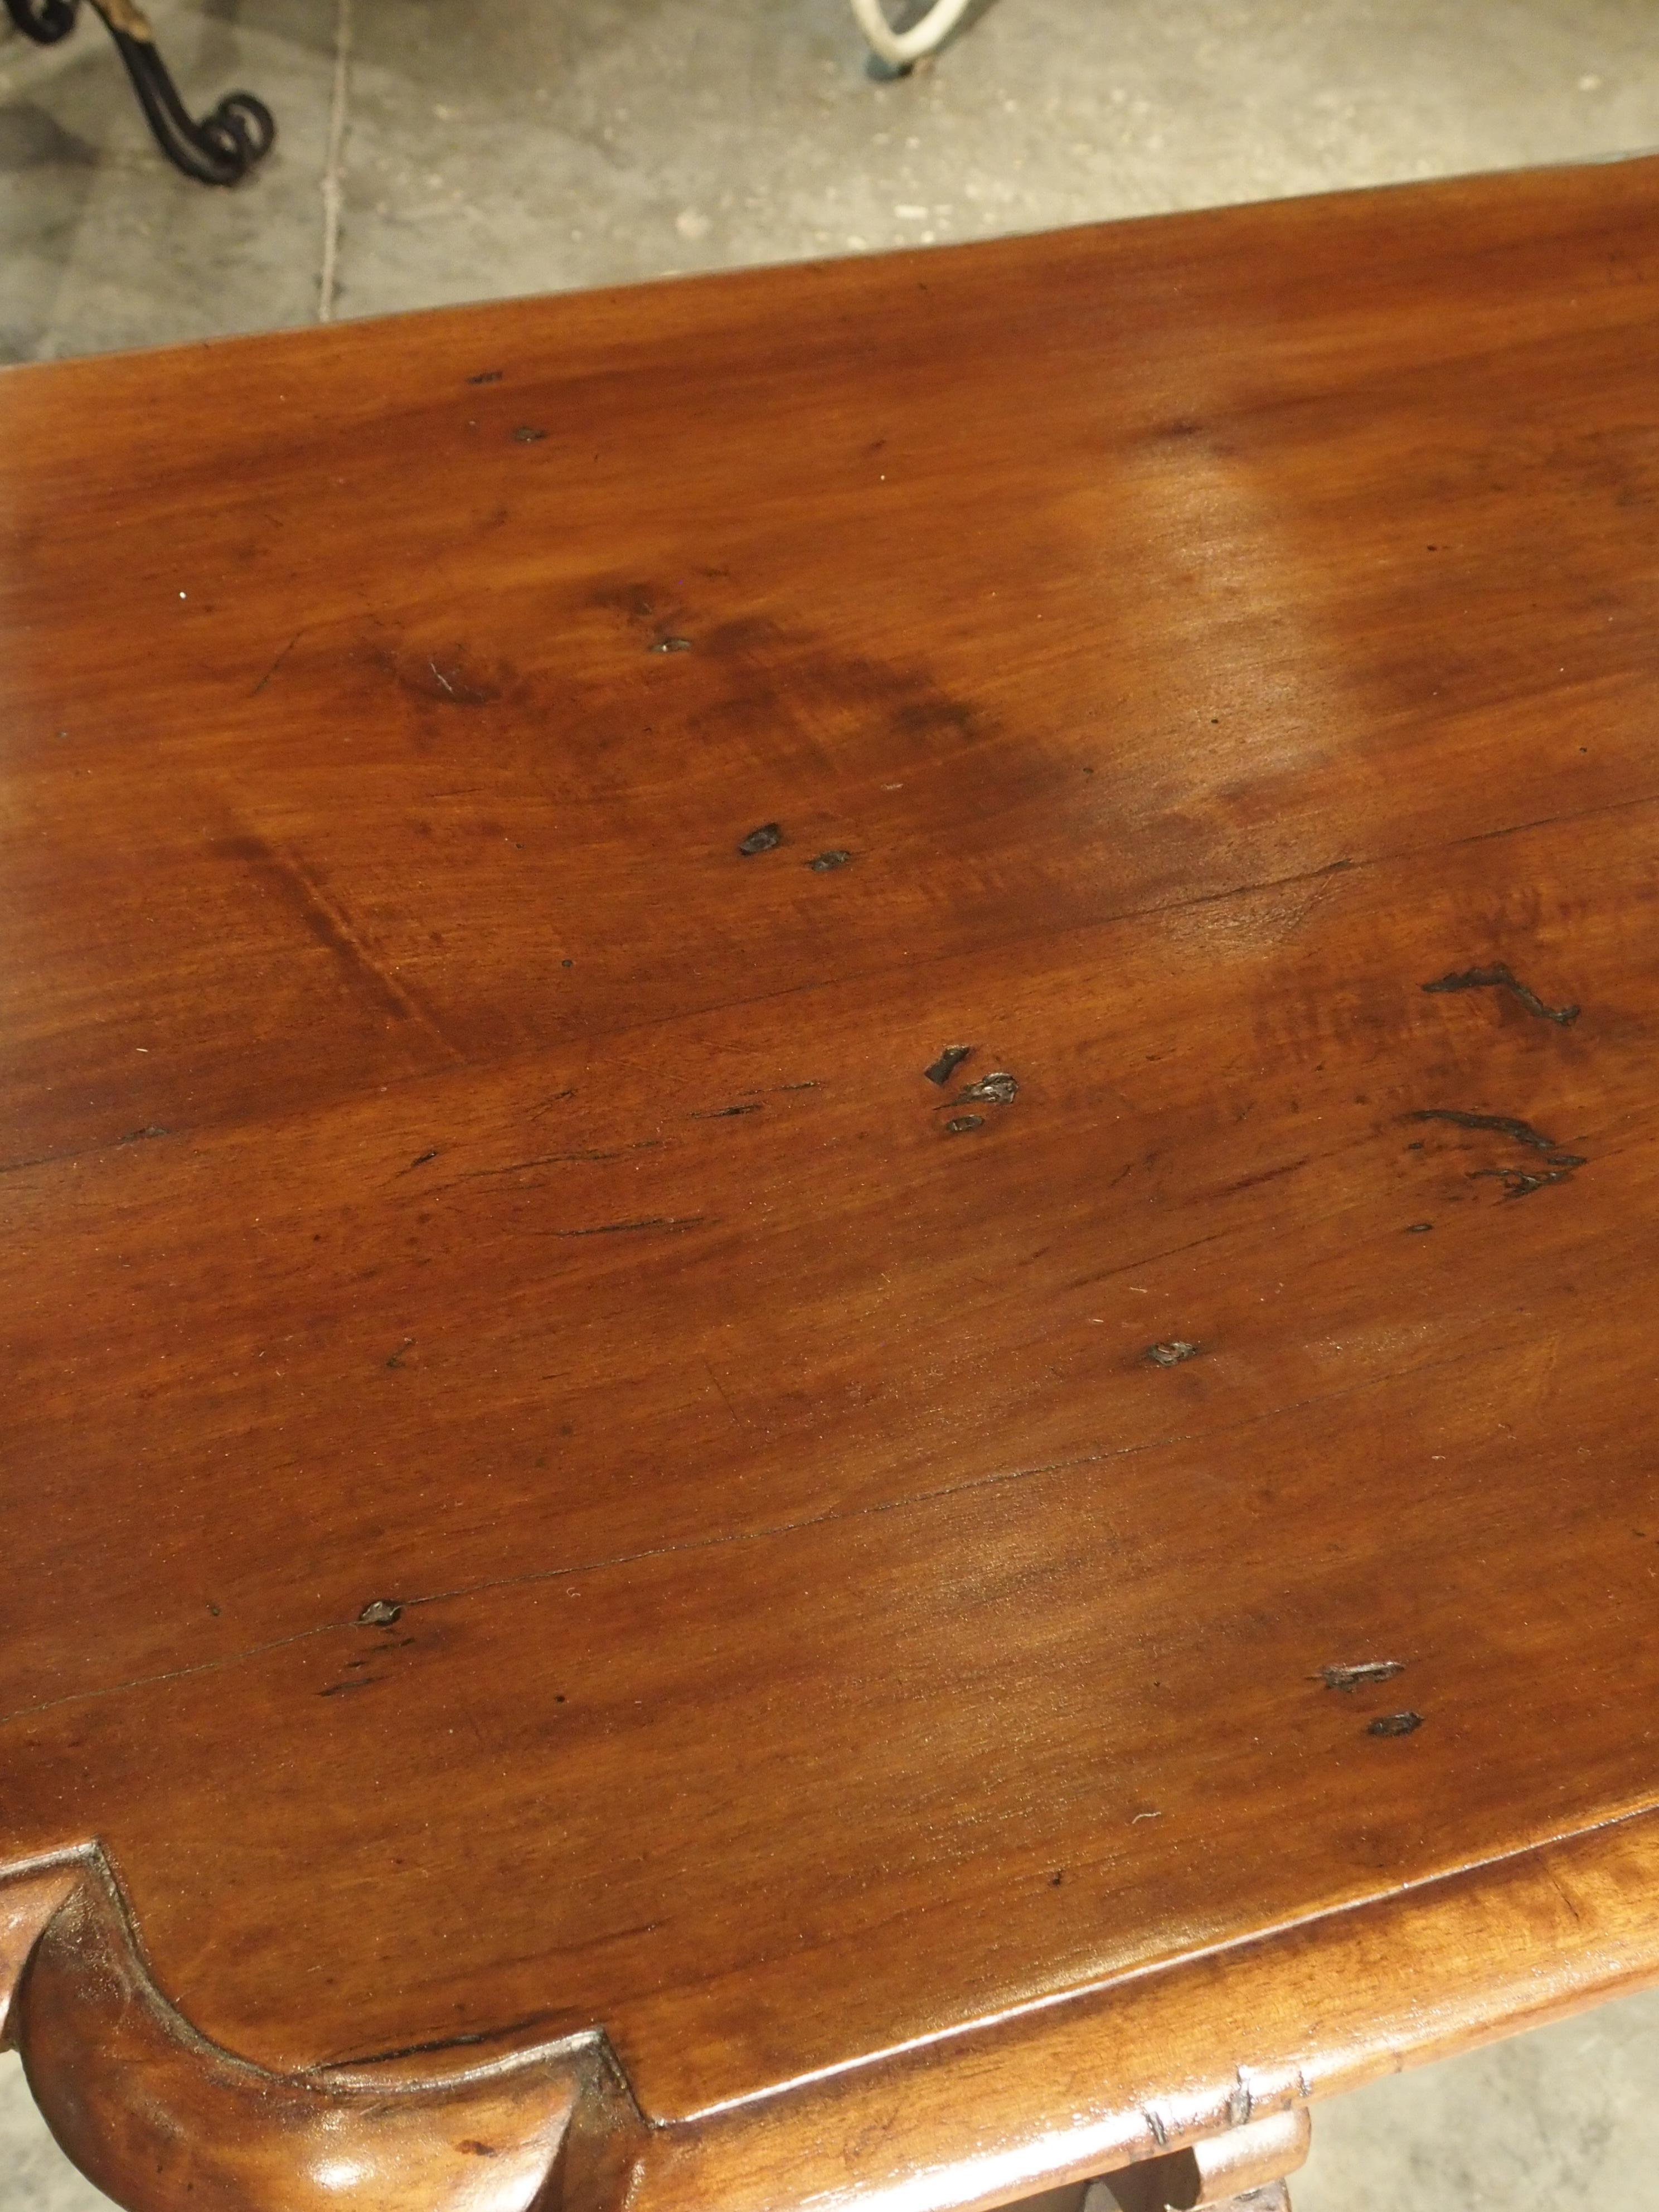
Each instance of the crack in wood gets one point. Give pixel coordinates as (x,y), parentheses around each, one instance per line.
(1501,976)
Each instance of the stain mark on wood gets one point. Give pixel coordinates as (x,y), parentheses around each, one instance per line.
(1395,1724)
(720,1391)
(1562,1891)
(381,1612)
(1368,1670)
(460,679)
(725,1112)
(1502,1125)
(1520,1182)
(624,1228)
(463,2042)
(766,839)
(1171,1352)
(822,863)
(276,663)
(421,1160)
(947,1064)
(397,1359)
(527,434)
(1502,977)
(142,1136)
(997,1089)
(551,1160)
(339,1689)
(34,1160)
(1266,1175)
(487,376)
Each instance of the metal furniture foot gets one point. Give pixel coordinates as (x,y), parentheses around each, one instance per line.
(902,50)
(219,150)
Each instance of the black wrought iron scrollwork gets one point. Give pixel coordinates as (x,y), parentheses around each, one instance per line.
(45,21)
(219,149)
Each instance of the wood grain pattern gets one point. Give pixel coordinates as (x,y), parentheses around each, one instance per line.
(556,1484)
(154,2116)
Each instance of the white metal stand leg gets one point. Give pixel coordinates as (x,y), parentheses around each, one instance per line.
(901,48)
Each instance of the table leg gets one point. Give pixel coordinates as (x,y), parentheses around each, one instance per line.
(219,149)
(1242,2171)
(902,50)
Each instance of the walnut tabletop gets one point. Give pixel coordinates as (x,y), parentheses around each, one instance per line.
(830,1200)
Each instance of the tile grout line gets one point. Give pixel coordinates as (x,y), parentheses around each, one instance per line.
(327,283)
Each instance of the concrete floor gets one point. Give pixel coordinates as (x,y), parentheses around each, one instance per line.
(471,151)
(503,147)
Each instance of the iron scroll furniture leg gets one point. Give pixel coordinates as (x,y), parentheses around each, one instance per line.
(45,21)
(219,150)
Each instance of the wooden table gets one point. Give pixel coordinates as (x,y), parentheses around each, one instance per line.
(831,1213)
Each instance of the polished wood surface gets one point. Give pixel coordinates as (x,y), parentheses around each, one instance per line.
(831,1187)
(1243,2170)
